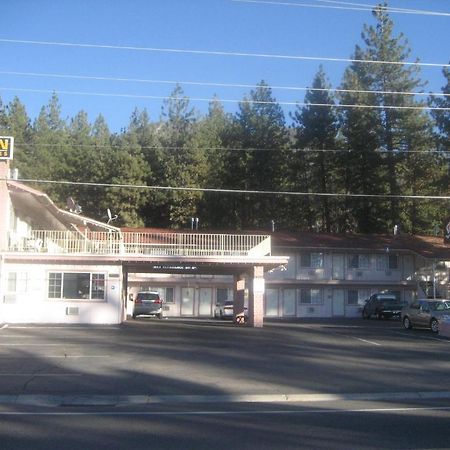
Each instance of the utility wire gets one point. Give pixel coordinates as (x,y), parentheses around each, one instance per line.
(346,6)
(243,101)
(231,149)
(219,53)
(217,84)
(237,191)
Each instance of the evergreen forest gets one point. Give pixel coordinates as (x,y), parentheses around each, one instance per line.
(375,159)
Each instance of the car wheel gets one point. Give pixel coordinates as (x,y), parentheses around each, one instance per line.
(134,316)
(364,314)
(160,316)
(407,323)
(434,325)
(380,316)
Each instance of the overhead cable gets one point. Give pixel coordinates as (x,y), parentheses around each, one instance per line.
(237,191)
(243,101)
(219,53)
(347,7)
(218,84)
(233,149)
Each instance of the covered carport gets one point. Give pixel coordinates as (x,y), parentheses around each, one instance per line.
(247,272)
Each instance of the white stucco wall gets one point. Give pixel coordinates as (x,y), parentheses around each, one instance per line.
(30,302)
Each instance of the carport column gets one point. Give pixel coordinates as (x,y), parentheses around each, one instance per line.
(256,297)
(239,295)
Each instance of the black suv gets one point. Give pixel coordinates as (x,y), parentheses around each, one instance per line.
(382,306)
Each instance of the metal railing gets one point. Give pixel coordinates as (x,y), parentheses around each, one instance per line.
(141,243)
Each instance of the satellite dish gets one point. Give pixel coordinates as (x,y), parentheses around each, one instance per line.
(73,206)
(110,216)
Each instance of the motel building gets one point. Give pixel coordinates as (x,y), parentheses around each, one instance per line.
(60,267)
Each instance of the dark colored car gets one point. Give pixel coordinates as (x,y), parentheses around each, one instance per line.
(148,303)
(425,313)
(382,306)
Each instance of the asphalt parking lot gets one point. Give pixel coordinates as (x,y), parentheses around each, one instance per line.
(203,384)
(175,357)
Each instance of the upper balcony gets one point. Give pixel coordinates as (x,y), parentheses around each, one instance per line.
(139,243)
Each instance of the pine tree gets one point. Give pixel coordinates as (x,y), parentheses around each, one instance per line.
(181,162)
(49,150)
(259,130)
(387,128)
(314,161)
(16,122)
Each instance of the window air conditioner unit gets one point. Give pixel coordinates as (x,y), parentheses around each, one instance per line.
(9,298)
(72,311)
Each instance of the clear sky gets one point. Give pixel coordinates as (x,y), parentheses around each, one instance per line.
(289,28)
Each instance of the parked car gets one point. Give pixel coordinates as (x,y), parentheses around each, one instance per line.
(225,311)
(425,313)
(148,303)
(382,305)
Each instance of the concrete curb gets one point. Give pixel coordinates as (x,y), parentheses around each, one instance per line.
(130,400)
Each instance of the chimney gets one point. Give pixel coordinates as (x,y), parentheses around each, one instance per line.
(4,205)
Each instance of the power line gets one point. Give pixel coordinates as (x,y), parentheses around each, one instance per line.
(218,84)
(243,101)
(219,53)
(238,191)
(234,149)
(347,6)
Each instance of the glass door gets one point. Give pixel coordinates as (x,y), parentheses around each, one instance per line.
(205,302)
(187,301)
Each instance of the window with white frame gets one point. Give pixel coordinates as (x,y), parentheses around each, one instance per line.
(356,296)
(17,282)
(166,293)
(222,295)
(387,262)
(358,261)
(311,296)
(76,285)
(311,260)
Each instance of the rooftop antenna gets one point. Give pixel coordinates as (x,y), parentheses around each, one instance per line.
(73,206)
(110,216)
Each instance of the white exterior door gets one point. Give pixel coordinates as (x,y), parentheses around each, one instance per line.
(338,267)
(338,302)
(205,302)
(187,301)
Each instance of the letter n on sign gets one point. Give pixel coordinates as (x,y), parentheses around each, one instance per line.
(6,147)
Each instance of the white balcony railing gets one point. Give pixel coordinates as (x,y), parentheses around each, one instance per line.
(143,243)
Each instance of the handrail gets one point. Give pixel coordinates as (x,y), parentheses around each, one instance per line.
(141,243)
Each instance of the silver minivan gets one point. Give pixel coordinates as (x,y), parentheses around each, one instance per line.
(425,313)
(148,303)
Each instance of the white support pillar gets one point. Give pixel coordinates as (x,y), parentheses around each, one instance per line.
(256,298)
(239,296)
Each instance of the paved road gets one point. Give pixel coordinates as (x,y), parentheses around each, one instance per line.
(204,384)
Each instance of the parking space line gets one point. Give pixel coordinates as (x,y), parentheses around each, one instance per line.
(229,412)
(40,374)
(368,342)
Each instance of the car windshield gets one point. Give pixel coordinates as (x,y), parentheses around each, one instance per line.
(390,301)
(148,296)
(228,303)
(439,306)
